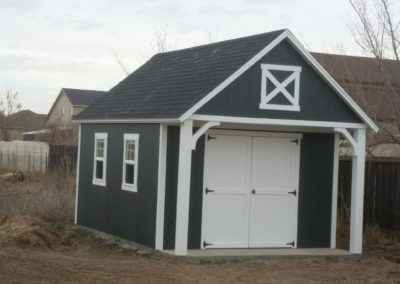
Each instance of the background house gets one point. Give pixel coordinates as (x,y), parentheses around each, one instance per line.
(14,125)
(69,103)
(375,86)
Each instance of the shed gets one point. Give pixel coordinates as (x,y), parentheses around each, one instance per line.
(227,145)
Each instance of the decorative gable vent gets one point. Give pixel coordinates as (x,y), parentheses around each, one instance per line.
(280,87)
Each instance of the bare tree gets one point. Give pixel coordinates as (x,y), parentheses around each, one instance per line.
(9,104)
(376,31)
(161,40)
(120,62)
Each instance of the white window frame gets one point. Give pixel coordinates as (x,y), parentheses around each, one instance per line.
(97,181)
(280,87)
(128,186)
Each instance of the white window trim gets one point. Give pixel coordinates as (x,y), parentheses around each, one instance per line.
(127,186)
(280,87)
(96,181)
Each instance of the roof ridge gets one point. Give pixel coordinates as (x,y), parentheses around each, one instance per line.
(90,90)
(221,42)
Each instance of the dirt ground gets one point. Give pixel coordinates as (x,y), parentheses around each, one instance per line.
(36,252)
(45,249)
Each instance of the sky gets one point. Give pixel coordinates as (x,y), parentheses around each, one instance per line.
(46,45)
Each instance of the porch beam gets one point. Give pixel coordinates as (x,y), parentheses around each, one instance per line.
(277,122)
(201,131)
(183,190)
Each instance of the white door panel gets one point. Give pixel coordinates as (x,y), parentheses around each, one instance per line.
(226,200)
(251,185)
(273,205)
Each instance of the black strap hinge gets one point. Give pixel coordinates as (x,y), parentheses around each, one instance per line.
(294,192)
(209,138)
(291,244)
(209,190)
(205,244)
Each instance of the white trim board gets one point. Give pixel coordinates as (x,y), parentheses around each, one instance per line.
(162,168)
(335,181)
(77,175)
(280,122)
(307,56)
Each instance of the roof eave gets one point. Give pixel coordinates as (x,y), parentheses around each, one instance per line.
(128,120)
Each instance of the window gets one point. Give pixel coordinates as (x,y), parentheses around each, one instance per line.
(100,159)
(130,162)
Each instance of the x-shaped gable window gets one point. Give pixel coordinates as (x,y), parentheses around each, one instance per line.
(280,87)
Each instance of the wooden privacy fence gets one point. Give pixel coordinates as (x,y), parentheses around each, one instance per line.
(24,156)
(63,158)
(382,193)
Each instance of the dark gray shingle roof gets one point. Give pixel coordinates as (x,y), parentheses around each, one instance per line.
(170,83)
(82,97)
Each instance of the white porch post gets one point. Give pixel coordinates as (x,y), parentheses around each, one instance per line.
(183,191)
(357,192)
(335,190)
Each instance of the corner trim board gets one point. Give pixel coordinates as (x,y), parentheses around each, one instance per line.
(77,176)
(161,179)
(335,190)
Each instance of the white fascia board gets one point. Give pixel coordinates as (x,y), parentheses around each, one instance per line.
(307,56)
(281,122)
(144,120)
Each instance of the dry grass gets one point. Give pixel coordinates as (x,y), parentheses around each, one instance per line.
(49,197)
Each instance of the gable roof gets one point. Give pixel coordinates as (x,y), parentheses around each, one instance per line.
(373,84)
(174,85)
(79,97)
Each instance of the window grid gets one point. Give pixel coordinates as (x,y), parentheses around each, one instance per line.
(100,159)
(129,164)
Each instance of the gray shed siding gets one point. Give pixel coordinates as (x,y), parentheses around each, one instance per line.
(318,101)
(131,215)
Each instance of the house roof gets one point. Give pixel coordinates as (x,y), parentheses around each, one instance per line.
(26,120)
(175,84)
(374,85)
(79,97)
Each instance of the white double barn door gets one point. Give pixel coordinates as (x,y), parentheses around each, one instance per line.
(251,191)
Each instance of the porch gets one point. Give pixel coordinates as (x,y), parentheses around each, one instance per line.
(353,132)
